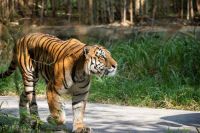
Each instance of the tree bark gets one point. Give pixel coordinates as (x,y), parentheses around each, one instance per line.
(147,7)
(69,10)
(112,8)
(165,7)
(198,6)
(182,9)
(84,12)
(42,11)
(97,13)
(154,9)
(79,10)
(188,9)
(7,11)
(124,11)
(131,11)
(90,13)
(191,9)
(53,7)
(137,8)
(142,7)
(12,9)
(175,6)
(36,5)
(103,10)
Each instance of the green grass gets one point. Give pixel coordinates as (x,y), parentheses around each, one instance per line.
(10,124)
(13,84)
(152,71)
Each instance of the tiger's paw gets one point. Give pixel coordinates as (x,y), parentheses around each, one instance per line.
(55,121)
(35,121)
(83,130)
(51,120)
(30,122)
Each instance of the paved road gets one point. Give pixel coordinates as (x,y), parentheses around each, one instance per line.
(104,118)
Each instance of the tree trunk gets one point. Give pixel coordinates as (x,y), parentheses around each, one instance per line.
(1,12)
(53,7)
(182,9)
(90,13)
(36,7)
(124,11)
(12,9)
(147,7)
(154,9)
(79,10)
(112,8)
(42,11)
(137,8)
(32,7)
(69,10)
(165,7)
(142,7)
(103,10)
(198,6)
(175,6)
(84,12)
(188,9)
(7,11)
(97,14)
(131,11)
(191,9)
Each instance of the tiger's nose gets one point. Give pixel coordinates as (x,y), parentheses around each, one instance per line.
(114,66)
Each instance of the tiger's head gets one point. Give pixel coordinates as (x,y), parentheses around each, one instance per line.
(99,61)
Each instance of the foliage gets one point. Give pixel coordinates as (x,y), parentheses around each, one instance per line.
(152,71)
(128,12)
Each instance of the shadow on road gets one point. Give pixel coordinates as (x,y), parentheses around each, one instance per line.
(192,119)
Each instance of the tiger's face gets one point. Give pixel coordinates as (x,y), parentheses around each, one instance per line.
(99,61)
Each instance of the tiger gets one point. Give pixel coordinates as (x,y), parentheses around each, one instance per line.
(67,67)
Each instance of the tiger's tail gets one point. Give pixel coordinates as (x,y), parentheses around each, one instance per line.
(10,70)
(13,65)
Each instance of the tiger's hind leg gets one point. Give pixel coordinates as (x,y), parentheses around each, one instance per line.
(28,105)
(23,108)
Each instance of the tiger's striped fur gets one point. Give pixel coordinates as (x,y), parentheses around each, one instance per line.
(66,66)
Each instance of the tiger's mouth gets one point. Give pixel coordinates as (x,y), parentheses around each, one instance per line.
(98,73)
(107,72)
(110,72)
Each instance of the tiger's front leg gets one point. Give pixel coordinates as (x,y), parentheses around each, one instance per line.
(78,107)
(56,107)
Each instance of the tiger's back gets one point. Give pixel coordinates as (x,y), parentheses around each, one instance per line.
(43,52)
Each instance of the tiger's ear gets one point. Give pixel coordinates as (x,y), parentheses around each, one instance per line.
(86,50)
